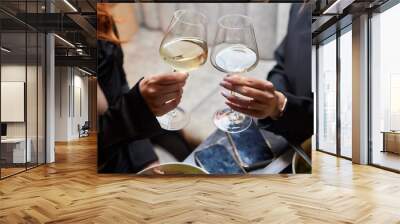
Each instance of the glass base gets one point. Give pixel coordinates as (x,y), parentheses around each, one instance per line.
(231,121)
(174,120)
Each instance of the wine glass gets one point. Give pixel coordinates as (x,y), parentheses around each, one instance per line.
(184,47)
(235,51)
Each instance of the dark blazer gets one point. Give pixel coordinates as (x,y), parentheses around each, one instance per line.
(127,125)
(292,76)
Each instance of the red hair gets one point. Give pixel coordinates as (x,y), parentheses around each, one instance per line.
(106,24)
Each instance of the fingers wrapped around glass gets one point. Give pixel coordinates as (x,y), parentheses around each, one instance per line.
(234,52)
(184,47)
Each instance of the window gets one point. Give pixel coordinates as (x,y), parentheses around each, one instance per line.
(346,93)
(385,89)
(327,96)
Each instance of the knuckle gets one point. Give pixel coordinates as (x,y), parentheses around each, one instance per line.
(270,97)
(146,81)
(152,91)
(234,76)
(152,79)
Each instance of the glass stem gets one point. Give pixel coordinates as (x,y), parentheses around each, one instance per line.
(172,113)
(232,112)
(233,116)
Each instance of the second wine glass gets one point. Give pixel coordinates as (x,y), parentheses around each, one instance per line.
(184,47)
(235,51)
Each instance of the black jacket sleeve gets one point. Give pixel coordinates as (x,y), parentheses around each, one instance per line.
(296,123)
(124,129)
(128,119)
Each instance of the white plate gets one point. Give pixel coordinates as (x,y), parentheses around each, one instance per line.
(173,168)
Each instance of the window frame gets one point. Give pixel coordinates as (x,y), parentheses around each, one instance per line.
(333,37)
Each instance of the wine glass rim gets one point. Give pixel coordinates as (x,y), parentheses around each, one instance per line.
(247,18)
(180,12)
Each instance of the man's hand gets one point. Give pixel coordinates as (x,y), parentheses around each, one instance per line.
(163,92)
(264,100)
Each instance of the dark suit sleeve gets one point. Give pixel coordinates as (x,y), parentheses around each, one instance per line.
(277,75)
(127,120)
(296,123)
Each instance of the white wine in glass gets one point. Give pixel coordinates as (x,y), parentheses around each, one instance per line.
(235,51)
(184,54)
(236,58)
(184,48)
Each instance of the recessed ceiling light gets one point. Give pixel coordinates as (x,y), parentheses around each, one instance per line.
(337,7)
(64,40)
(5,50)
(84,71)
(70,5)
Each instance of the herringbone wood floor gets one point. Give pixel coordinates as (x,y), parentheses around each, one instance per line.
(70,191)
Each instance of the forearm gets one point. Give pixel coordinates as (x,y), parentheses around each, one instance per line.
(296,120)
(127,120)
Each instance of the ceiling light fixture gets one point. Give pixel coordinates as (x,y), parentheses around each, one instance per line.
(64,40)
(5,50)
(70,5)
(337,7)
(79,51)
(84,71)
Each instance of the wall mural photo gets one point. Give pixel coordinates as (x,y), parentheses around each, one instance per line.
(210,88)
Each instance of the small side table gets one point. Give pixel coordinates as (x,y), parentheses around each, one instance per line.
(391,141)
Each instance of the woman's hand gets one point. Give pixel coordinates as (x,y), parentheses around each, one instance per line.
(102,104)
(155,169)
(163,92)
(264,100)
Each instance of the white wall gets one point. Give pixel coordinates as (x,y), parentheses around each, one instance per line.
(71,93)
(62,80)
